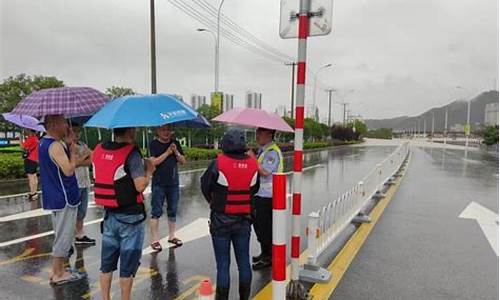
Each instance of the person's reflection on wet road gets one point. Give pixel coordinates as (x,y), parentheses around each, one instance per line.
(171,288)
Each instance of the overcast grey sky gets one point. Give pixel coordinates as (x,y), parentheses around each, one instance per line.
(400,56)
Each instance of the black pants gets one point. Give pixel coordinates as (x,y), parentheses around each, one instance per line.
(263,223)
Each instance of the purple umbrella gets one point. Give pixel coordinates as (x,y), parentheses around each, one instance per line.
(67,101)
(24,121)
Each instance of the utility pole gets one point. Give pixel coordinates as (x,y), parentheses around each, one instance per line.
(293,64)
(445,124)
(344,105)
(330,92)
(152,45)
(425,127)
(432,128)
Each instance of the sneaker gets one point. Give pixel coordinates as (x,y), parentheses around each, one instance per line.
(85,240)
(262,264)
(257,258)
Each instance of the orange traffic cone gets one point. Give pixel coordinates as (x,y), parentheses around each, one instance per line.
(206,291)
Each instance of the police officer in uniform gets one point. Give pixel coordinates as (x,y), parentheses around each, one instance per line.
(228,185)
(270,161)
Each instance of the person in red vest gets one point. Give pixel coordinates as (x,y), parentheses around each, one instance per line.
(30,155)
(121,175)
(228,185)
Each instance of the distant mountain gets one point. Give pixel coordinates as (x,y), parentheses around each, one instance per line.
(457,113)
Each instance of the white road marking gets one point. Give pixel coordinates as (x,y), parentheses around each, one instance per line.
(24,215)
(307,168)
(41,212)
(35,236)
(194,230)
(487,220)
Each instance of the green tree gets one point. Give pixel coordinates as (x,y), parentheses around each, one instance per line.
(118,91)
(360,128)
(490,135)
(381,133)
(14,89)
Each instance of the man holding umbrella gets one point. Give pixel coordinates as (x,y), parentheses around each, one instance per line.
(270,161)
(58,163)
(121,175)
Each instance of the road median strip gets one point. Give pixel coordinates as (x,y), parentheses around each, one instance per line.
(344,258)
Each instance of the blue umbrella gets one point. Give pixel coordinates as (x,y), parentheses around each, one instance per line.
(146,111)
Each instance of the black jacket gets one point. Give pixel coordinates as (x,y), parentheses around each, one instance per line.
(220,221)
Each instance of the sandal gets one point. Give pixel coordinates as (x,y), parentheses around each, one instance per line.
(156,246)
(73,278)
(176,242)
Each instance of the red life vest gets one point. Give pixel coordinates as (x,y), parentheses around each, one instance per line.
(113,187)
(236,178)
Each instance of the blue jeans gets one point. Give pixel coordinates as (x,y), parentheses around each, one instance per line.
(240,238)
(122,241)
(158,195)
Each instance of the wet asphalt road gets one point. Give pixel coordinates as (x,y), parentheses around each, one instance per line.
(420,249)
(173,273)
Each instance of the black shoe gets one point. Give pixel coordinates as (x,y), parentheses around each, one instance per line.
(85,240)
(221,293)
(262,264)
(244,291)
(257,258)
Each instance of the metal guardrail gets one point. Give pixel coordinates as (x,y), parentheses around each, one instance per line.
(325,224)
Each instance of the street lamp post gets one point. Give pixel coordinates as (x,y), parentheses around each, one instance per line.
(445,125)
(217,48)
(432,127)
(316,82)
(467,125)
(330,92)
(152,45)
(215,60)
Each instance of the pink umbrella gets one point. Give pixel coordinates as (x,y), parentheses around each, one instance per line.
(252,117)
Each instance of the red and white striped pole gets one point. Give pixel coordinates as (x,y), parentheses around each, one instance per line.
(279,236)
(295,287)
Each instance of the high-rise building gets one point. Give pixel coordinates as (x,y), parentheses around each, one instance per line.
(491,114)
(197,101)
(179,97)
(227,102)
(282,111)
(254,100)
(312,112)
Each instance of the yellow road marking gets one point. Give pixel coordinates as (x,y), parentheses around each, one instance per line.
(344,258)
(31,278)
(266,292)
(191,291)
(24,257)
